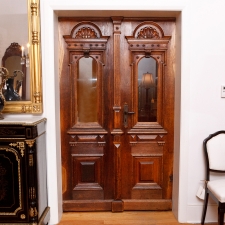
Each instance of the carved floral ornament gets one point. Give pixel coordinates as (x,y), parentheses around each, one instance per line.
(86,32)
(148,33)
(86,36)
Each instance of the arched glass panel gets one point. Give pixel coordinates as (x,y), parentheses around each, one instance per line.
(87,90)
(147,90)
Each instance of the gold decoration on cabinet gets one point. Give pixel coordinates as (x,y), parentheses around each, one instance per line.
(22,216)
(19,145)
(19,182)
(30,143)
(33,211)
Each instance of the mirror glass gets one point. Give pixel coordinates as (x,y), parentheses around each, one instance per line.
(147,90)
(87,90)
(14,49)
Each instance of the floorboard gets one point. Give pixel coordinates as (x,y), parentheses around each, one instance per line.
(125,218)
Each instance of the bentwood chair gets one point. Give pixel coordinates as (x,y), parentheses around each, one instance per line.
(214,149)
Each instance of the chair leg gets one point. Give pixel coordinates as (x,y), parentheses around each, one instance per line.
(205,207)
(220,216)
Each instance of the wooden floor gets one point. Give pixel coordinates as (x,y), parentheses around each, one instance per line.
(125,218)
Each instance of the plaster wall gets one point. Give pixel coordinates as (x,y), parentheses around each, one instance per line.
(13,17)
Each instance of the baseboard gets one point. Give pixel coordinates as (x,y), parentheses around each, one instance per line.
(194,214)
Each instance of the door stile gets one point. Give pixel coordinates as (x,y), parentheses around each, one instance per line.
(117,204)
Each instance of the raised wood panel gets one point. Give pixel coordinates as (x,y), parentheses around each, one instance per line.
(146,137)
(84,194)
(87,170)
(86,149)
(146,171)
(147,178)
(87,177)
(150,148)
(87,138)
(146,193)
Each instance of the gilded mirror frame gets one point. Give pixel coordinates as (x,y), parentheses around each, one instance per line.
(34,105)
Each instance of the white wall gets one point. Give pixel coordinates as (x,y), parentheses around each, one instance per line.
(199,109)
(13,24)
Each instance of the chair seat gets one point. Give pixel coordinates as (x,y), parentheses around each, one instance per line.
(217,187)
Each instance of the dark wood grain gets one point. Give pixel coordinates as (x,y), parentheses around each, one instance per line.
(106,165)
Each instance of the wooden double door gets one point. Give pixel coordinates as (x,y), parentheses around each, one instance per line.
(117,113)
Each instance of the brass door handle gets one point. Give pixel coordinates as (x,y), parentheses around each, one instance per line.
(125,115)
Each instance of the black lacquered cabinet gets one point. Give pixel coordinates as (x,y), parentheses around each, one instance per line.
(23,172)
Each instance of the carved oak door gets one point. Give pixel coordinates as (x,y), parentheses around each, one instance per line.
(117,100)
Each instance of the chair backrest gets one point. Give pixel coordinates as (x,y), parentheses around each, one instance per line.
(214,147)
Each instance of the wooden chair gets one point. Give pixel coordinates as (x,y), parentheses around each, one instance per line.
(214,149)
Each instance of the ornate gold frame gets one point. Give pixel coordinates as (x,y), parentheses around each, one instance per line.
(35,104)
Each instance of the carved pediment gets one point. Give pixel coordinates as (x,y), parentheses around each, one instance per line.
(148,36)
(86,36)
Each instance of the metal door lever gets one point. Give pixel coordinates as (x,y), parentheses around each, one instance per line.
(126,113)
